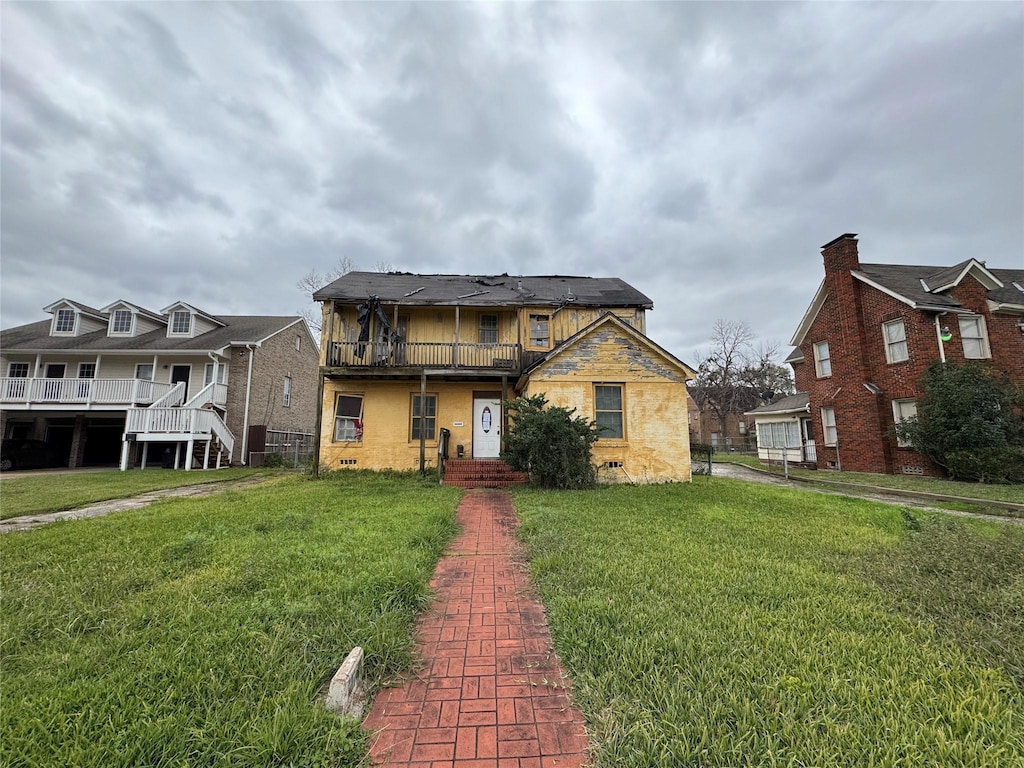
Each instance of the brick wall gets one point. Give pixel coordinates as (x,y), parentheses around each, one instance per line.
(851,321)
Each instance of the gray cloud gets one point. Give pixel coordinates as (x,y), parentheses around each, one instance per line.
(701,151)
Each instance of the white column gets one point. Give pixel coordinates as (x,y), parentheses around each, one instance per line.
(124,452)
(206,455)
(145,453)
(188,454)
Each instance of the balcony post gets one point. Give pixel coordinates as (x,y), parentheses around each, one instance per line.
(455,346)
(423,422)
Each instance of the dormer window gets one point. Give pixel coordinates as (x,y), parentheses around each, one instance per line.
(181,322)
(121,321)
(64,321)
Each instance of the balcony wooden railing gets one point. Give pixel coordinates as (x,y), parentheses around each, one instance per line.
(414,354)
(81,391)
(179,423)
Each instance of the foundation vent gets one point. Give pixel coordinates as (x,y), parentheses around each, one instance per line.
(909,470)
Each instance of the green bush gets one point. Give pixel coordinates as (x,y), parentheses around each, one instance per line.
(988,465)
(552,444)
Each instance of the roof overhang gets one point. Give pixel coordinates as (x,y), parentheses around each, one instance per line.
(809,316)
(980,273)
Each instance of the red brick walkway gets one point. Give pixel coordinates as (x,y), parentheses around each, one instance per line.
(493,694)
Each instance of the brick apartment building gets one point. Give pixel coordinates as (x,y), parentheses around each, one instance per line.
(873,329)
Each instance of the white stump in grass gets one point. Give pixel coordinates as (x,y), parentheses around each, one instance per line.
(344,695)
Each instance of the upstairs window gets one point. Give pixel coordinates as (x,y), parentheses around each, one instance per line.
(348,419)
(287,400)
(18,370)
(488,329)
(895,334)
(181,322)
(64,322)
(608,411)
(540,334)
(424,417)
(974,338)
(121,322)
(87,370)
(144,371)
(901,411)
(822,360)
(222,374)
(828,426)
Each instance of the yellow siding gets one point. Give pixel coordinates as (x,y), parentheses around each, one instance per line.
(656,447)
(387,441)
(566,322)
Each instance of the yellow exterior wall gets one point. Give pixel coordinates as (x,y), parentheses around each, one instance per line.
(387,417)
(565,322)
(656,447)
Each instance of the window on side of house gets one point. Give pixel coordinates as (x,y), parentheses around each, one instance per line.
(181,322)
(895,335)
(348,419)
(778,434)
(298,343)
(64,322)
(287,399)
(17,370)
(828,426)
(608,412)
(222,374)
(901,411)
(144,371)
(121,322)
(488,329)
(540,331)
(822,360)
(424,417)
(974,337)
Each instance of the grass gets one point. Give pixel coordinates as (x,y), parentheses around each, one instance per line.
(201,631)
(721,623)
(52,492)
(1012,493)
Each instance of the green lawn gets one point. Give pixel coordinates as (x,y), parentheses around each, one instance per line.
(52,492)
(722,623)
(1013,493)
(199,632)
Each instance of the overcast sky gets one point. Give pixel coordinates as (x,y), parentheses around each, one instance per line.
(703,152)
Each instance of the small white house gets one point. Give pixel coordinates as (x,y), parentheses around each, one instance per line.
(784,430)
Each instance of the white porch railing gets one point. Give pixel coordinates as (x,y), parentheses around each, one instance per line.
(211,393)
(81,391)
(179,424)
(810,451)
(173,397)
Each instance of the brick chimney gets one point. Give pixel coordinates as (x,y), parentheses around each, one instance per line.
(840,255)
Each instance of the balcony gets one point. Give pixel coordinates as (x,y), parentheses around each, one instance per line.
(81,393)
(409,354)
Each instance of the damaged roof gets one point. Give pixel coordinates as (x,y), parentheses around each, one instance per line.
(924,286)
(483,290)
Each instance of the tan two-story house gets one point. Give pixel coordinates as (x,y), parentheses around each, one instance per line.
(126,385)
(408,360)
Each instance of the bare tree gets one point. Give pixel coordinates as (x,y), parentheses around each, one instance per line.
(735,375)
(383,266)
(313,281)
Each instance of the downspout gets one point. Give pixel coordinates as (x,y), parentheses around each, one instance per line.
(938,335)
(245,416)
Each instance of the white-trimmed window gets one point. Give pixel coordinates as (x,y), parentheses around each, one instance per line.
(778,434)
(895,335)
(64,321)
(121,321)
(488,329)
(348,419)
(425,418)
(828,426)
(87,370)
(540,331)
(17,370)
(298,343)
(16,389)
(287,398)
(181,322)
(144,371)
(974,337)
(901,411)
(222,374)
(822,359)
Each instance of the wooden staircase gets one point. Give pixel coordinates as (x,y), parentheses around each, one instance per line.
(481,473)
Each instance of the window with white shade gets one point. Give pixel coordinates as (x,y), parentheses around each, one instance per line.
(144,371)
(778,434)
(287,400)
(901,411)
(828,425)
(895,334)
(974,337)
(822,359)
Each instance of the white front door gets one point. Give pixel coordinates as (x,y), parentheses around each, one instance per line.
(486,428)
